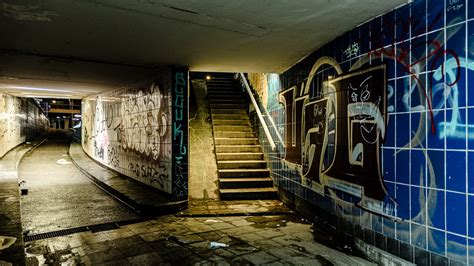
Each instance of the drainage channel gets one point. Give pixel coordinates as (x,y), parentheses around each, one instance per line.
(91,228)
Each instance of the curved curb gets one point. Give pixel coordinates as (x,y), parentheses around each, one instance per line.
(141,208)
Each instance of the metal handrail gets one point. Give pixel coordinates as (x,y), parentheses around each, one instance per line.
(260,116)
(276,130)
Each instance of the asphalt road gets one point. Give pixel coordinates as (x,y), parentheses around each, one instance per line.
(59,195)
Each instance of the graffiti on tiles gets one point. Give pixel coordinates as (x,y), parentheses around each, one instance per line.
(20,120)
(377,126)
(129,130)
(334,140)
(180,133)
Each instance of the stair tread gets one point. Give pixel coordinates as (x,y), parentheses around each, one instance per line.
(238,138)
(244,170)
(239,145)
(247,190)
(230,126)
(241,161)
(245,179)
(235,119)
(239,153)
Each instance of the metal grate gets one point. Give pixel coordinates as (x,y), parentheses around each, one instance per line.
(64,232)
(103,227)
(92,228)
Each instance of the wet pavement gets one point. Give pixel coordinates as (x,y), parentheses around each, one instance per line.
(59,195)
(170,240)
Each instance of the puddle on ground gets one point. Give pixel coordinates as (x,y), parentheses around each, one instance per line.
(271,221)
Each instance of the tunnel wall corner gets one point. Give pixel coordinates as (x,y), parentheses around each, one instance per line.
(141,130)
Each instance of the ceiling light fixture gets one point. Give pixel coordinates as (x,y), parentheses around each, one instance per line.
(35,89)
(46,96)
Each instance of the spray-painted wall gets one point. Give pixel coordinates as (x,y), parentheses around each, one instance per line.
(378,128)
(131,129)
(20,120)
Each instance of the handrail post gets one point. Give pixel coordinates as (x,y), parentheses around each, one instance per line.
(259,114)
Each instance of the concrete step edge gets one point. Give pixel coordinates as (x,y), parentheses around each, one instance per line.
(237,145)
(239,153)
(245,179)
(247,190)
(243,139)
(241,161)
(258,170)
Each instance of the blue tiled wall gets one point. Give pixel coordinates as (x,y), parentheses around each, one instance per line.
(428,151)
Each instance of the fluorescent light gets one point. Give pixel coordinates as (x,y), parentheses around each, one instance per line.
(46,96)
(35,89)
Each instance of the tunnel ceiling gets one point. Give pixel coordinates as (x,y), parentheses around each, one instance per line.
(94,45)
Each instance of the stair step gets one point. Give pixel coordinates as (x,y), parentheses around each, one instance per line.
(231,82)
(248,193)
(235,141)
(239,156)
(223,90)
(239,100)
(229,173)
(250,182)
(242,164)
(234,134)
(229,106)
(226,128)
(230,122)
(229,117)
(215,94)
(229,111)
(237,148)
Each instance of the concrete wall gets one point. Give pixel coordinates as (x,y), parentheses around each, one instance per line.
(377,126)
(20,120)
(131,130)
(203,180)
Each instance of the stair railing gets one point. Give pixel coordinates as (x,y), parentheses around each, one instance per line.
(259,114)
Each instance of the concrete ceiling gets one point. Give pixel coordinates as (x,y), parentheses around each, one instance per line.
(92,45)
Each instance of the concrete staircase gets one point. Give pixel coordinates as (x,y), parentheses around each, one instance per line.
(243,173)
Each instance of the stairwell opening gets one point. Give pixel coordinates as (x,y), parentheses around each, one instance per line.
(226,158)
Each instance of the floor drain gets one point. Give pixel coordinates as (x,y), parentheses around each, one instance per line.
(64,232)
(103,227)
(92,228)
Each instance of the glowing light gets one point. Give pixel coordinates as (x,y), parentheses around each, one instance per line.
(54,101)
(46,96)
(35,89)
(208,77)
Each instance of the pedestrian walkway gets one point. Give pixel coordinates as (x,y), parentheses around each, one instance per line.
(60,196)
(10,215)
(171,240)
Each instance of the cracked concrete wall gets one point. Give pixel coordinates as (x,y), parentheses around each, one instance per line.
(20,120)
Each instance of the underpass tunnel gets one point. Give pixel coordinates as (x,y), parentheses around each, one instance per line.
(240,133)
